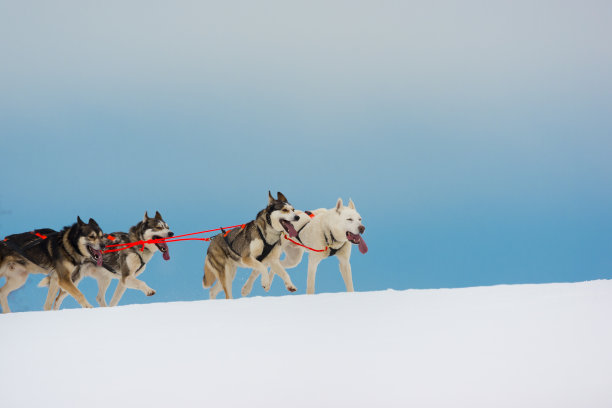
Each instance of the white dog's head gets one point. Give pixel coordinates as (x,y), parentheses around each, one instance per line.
(347,223)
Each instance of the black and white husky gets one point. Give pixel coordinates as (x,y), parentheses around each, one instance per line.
(333,230)
(256,246)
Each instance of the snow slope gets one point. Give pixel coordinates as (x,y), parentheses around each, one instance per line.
(503,346)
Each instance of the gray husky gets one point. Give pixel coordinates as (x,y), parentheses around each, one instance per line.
(255,246)
(127,264)
(50,252)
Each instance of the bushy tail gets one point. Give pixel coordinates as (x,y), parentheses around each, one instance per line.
(209,276)
(44,282)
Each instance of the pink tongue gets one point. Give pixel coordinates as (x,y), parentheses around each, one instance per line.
(99,260)
(165,254)
(290,230)
(363,248)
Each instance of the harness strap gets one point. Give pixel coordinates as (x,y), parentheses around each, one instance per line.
(297,236)
(142,263)
(224,234)
(19,250)
(332,251)
(267,247)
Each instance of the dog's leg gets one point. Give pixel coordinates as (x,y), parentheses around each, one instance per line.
(313,263)
(262,269)
(347,276)
(59,299)
(76,278)
(66,283)
(214,291)
(52,292)
(119,291)
(16,278)
(248,286)
(277,268)
(104,281)
(134,283)
(225,278)
(345,268)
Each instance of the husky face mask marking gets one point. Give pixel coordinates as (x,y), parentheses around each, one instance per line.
(349,224)
(90,242)
(156,228)
(282,214)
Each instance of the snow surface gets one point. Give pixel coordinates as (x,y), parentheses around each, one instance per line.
(546,345)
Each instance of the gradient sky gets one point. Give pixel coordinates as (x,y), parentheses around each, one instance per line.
(474,136)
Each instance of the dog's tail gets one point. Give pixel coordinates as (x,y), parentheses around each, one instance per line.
(209,275)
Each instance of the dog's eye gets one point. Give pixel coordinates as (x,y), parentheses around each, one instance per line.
(349,219)
(285,210)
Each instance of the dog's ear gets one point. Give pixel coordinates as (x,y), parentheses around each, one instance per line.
(270,198)
(158,215)
(146,217)
(93,223)
(339,205)
(351,204)
(80,221)
(281,197)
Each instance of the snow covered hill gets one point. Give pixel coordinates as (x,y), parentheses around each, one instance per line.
(503,346)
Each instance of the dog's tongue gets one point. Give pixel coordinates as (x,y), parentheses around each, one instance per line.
(166,253)
(99,259)
(363,248)
(290,230)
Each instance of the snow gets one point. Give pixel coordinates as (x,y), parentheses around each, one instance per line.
(547,345)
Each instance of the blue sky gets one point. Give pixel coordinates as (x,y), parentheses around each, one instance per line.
(474,137)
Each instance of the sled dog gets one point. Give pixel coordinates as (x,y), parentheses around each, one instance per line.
(255,246)
(54,253)
(333,230)
(127,264)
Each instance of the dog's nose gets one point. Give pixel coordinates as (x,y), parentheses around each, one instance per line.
(296,218)
(170,234)
(361,229)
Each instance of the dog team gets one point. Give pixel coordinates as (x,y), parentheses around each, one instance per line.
(78,251)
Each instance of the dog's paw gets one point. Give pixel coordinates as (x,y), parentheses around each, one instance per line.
(245,290)
(265,283)
(291,288)
(150,292)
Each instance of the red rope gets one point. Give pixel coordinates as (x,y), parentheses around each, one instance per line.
(307,247)
(176,238)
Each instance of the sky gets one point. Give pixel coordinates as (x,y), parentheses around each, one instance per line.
(474,137)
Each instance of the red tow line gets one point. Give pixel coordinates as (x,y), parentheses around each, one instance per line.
(307,247)
(177,238)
